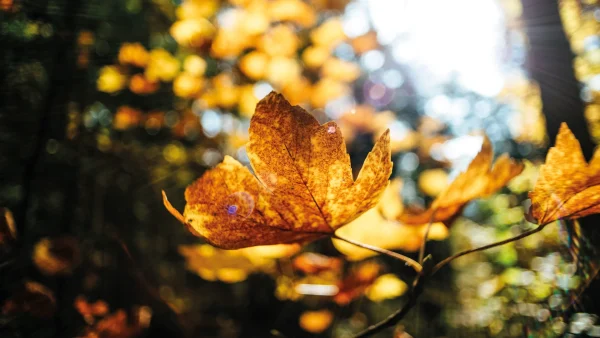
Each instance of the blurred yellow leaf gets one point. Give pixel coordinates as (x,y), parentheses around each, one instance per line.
(111,79)
(295,11)
(187,85)
(255,19)
(247,102)
(229,43)
(254,64)
(386,286)
(58,256)
(433,182)
(365,43)
(329,34)
(327,89)
(194,65)
(161,66)
(316,321)
(133,54)
(282,70)
(315,56)
(479,180)
(126,118)
(139,84)
(298,92)
(232,266)
(192,32)
(280,40)
(341,70)
(197,9)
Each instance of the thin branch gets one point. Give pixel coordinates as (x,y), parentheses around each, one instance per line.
(409,261)
(485,247)
(422,251)
(417,287)
(391,320)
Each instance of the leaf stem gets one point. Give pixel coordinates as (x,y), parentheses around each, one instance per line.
(441,264)
(409,261)
(425,236)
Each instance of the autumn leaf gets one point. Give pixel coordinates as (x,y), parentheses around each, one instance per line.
(567,187)
(303,189)
(479,180)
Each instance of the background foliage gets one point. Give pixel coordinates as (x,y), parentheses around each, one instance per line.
(106,103)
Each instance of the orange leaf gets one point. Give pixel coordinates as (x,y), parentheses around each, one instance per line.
(355,284)
(313,263)
(479,180)
(567,187)
(303,189)
(315,321)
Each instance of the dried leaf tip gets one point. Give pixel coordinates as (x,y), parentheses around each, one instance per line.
(172,209)
(567,187)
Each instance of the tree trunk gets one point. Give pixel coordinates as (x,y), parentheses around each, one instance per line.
(550,63)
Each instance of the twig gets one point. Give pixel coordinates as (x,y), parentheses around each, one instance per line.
(441,264)
(422,251)
(397,316)
(409,261)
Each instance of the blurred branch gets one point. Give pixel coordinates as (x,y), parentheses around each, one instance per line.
(441,264)
(409,261)
(391,320)
(425,236)
(418,284)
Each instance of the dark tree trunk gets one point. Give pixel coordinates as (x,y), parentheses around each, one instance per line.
(550,63)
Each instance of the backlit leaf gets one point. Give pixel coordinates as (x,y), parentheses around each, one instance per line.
(303,189)
(567,187)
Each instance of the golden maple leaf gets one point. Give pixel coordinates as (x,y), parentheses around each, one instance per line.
(479,180)
(303,188)
(567,187)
